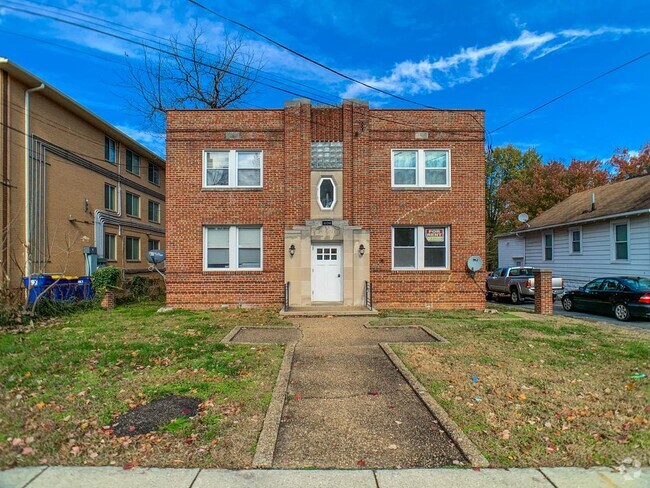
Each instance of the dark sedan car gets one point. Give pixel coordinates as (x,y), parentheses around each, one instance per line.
(625,297)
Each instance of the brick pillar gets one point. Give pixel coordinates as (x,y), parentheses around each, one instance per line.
(543,291)
(108,300)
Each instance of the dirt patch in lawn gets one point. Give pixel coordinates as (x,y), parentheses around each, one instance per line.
(147,418)
(557,392)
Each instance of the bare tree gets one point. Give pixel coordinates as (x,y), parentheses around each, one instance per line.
(189,74)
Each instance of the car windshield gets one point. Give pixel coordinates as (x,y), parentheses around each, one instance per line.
(637,284)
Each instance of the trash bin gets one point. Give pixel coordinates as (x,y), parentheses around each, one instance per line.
(84,289)
(37,285)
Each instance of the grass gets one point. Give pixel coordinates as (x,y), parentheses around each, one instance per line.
(549,392)
(61,386)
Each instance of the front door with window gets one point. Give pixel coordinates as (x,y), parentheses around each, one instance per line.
(326,273)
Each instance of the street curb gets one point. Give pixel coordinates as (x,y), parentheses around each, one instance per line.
(466,446)
(265,450)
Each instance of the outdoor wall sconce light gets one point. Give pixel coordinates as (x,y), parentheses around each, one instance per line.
(292,250)
(362,250)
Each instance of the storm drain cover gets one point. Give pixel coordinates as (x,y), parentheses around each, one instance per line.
(147,418)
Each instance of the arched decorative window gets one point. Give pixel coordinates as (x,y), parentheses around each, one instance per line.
(326,194)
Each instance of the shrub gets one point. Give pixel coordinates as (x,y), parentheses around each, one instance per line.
(105,278)
(138,289)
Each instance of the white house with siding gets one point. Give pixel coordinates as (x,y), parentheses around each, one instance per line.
(591,234)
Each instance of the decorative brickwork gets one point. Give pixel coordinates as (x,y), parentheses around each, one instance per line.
(369,201)
(543,291)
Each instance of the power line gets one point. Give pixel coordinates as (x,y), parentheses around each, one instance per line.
(253,80)
(582,85)
(319,64)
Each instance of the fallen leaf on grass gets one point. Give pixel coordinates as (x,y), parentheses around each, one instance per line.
(131,465)
(27,451)
(392,446)
(373,392)
(361,463)
(40,405)
(505,435)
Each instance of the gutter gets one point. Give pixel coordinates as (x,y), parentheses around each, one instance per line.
(28,189)
(577,222)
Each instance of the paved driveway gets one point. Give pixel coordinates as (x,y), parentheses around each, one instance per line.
(558,310)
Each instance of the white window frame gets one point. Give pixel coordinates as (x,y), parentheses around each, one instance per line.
(156,171)
(419,247)
(544,234)
(420,169)
(113,196)
(320,182)
(612,231)
(127,193)
(108,141)
(107,255)
(149,241)
(571,231)
(126,247)
(232,168)
(157,221)
(134,157)
(233,248)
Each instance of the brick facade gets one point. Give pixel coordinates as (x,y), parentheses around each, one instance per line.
(369,201)
(543,291)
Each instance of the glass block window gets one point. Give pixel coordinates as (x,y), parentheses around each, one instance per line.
(326,155)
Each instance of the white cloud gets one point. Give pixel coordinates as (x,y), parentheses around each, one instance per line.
(412,77)
(154,141)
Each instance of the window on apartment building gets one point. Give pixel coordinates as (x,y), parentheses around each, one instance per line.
(132,205)
(575,236)
(232,247)
(109,247)
(154,174)
(110,197)
(547,244)
(154,211)
(421,168)
(242,169)
(133,249)
(153,244)
(132,162)
(421,247)
(620,234)
(109,149)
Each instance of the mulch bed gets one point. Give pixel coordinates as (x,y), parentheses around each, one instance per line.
(149,417)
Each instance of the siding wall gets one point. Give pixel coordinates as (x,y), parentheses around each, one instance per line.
(510,248)
(596,258)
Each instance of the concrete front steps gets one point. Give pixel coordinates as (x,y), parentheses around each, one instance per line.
(327,311)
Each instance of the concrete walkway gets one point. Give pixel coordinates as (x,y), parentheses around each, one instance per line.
(90,477)
(348,407)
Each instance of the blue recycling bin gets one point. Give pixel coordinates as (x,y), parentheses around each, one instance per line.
(39,283)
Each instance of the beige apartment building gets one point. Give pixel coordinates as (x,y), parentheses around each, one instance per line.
(70,180)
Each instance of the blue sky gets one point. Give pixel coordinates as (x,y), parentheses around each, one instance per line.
(502,56)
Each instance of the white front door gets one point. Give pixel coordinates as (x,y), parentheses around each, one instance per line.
(326,273)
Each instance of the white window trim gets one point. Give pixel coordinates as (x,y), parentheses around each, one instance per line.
(320,182)
(115,150)
(233,250)
(133,154)
(571,231)
(126,244)
(612,232)
(158,171)
(232,169)
(139,215)
(544,234)
(149,218)
(113,193)
(106,251)
(419,169)
(419,248)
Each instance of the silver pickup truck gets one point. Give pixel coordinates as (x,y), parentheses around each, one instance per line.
(516,282)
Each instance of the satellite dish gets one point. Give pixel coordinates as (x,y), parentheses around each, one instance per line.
(156,256)
(474,263)
(523,218)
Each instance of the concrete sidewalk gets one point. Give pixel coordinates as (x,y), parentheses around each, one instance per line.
(114,477)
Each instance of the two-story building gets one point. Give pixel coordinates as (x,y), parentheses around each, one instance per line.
(71,180)
(320,205)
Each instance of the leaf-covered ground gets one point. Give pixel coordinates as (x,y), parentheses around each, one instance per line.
(550,392)
(62,384)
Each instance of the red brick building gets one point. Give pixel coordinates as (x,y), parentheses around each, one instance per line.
(325,199)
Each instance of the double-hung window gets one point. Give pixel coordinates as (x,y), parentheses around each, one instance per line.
(153,244)
(154,211)
(232,247)
(132,162)
(109,247)
(109,149)
(154,174)
(547,246)
(133,249)
(132,205)
(621,241)
(421,247)
(232,169)
(421,168)
(575,240)
(109,197)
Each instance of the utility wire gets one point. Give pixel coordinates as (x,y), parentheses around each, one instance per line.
(582,85)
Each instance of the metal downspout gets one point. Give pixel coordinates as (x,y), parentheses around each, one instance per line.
(28,192)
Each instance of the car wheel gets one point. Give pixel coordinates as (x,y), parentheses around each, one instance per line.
(514,296)
(567,303)
(622,312)
(489,296)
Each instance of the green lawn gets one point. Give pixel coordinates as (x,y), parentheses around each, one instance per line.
(62,384)
(550,392)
